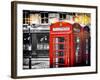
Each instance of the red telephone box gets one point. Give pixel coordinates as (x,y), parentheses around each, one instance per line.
(61,45)
(86,41)
(78,44)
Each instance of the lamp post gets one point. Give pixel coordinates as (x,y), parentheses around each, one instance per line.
(30,53)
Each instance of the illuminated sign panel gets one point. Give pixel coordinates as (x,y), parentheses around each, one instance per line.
(61,29)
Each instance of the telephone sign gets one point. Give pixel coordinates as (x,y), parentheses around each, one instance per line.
(61,29)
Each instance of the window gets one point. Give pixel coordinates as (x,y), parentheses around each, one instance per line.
(44,18)
(62,16)
(26,18)
(87,45)
(77,41)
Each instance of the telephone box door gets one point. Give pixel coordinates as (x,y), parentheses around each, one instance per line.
(61,51)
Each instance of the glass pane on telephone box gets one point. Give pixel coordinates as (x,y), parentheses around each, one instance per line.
(59,51)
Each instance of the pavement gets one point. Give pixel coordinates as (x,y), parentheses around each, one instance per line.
(36,63)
